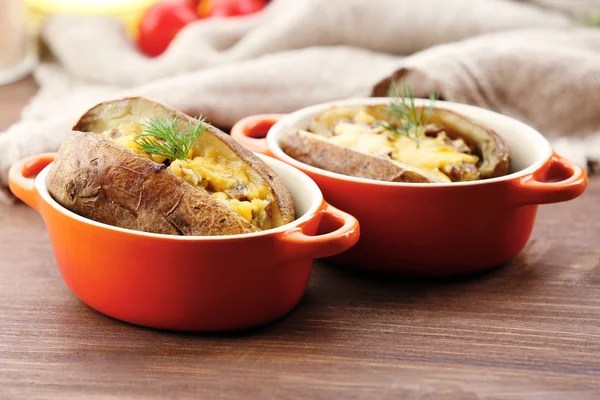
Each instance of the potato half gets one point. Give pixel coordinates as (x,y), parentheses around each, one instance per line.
(495,156)
(221,189)
(313,150)
(353,140)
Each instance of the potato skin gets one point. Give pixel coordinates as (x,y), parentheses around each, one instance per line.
(102,181)
(106,114)
(113,185)
(494,152)
(309,149)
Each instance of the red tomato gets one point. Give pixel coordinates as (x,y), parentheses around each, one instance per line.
(229,8)
(161,23)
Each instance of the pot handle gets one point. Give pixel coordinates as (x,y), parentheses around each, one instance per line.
(251,131)
(299,245)
(558,180)
(21,177)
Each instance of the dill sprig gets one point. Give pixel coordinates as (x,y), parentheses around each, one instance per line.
(164,138)
(592,19)
(403,108)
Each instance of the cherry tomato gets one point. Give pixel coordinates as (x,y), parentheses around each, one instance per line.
(161,23)
(229,8)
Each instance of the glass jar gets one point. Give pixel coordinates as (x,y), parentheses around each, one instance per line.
(17,53)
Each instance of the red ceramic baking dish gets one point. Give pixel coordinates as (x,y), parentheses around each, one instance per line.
(189,283)
(434,228)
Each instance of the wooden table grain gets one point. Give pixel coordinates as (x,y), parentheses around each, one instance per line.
(528,330)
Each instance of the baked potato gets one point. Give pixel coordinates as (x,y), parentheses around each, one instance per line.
(117,168)
(370,142)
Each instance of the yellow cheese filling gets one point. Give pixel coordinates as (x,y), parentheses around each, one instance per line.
(228,181)
(359,131)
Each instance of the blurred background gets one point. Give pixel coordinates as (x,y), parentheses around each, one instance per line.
(150,24)
(534,60)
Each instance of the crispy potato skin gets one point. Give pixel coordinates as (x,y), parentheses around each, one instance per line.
(493,150)
(109,115)
(100,117)
(102,181)
(309,149)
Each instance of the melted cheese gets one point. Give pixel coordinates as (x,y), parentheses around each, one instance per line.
(361,138)
(433,155)
(219,176)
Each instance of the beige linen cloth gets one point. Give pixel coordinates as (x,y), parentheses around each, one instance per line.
(532,60)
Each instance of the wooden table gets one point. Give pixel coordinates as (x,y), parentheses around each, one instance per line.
(530,330)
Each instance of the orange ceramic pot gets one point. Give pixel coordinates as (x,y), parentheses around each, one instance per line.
(435,229)
(189,283)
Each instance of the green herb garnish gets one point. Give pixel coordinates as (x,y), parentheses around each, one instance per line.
(592,19)
(402,107)
(163,138)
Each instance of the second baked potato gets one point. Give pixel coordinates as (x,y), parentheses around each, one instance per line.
(438,145)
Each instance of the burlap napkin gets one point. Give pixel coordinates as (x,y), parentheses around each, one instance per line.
(534,63)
